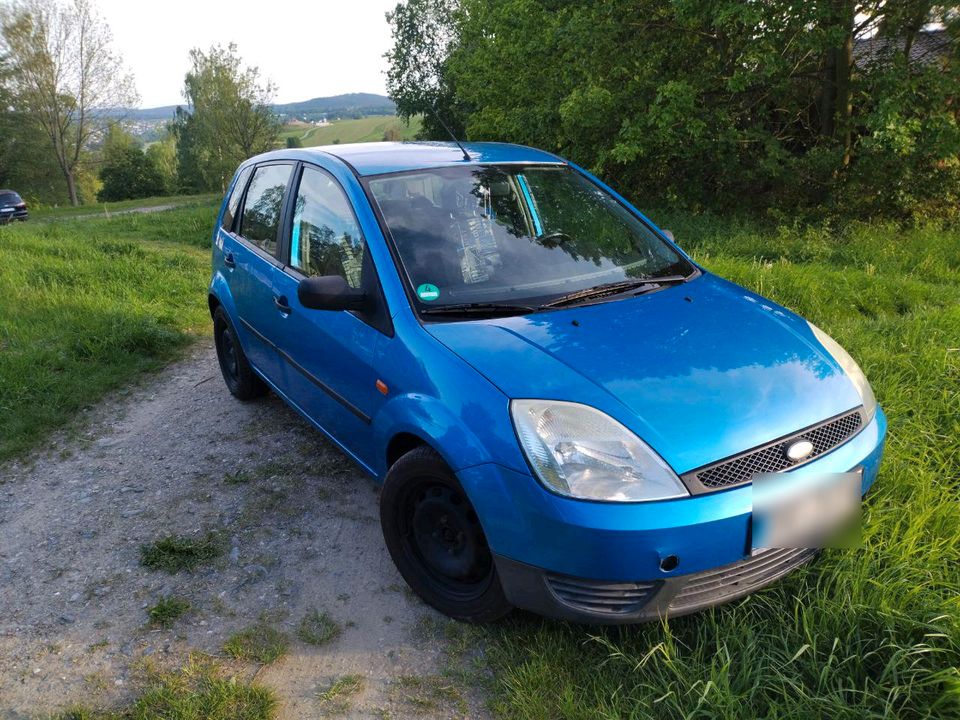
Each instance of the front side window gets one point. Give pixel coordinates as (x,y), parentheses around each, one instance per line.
(261,209)
(325,238)
(515,234)
(233,204)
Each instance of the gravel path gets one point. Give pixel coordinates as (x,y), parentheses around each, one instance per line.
(300,531)
(143,210)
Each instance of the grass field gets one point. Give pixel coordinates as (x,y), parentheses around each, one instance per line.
(368,129)
(88,305)
(858,634)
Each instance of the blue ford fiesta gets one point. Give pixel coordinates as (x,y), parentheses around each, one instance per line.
(566,412)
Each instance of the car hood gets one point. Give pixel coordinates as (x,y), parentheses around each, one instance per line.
(700,371)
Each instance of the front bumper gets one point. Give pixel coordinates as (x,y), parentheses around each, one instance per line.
(20,215)
(558,556)
(599,602)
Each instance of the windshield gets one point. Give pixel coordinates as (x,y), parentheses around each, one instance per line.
(514,234)
(9,198)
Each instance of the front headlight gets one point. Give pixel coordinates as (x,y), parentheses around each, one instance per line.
(582,453)
(850,367)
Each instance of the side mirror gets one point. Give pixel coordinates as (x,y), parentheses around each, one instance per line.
(668,235)
(330,292)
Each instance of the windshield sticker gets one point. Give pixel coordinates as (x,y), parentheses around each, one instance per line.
(428,292)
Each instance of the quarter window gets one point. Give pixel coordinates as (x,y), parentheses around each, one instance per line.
(233,203)
(325,238)
(261,209)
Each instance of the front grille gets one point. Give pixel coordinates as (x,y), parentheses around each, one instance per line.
(714,586)
(609,598)
(773,458)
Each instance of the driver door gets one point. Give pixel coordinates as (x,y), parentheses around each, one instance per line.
(329,353)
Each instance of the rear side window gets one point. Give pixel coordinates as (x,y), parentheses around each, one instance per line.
(233,204)
(261,209)
(325,239)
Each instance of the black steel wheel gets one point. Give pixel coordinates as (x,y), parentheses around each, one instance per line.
(239,377)
(436,540)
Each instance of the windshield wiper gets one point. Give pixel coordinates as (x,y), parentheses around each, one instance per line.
(479,308)
(614,288)
(664,280)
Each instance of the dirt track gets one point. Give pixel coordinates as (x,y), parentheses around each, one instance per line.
(300,531)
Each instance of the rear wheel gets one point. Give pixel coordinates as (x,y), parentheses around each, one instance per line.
(436,541)
(240,378)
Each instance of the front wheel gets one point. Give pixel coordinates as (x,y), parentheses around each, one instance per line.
(435,539)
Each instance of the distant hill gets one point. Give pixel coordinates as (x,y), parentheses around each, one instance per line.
(336,106)
(158,113)
(349,105)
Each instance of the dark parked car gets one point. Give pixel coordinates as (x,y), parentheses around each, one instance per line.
(12,207)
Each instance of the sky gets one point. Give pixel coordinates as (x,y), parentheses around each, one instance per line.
(307,48)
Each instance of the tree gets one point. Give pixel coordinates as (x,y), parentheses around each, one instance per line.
(127,171)
(64,72)
(181,129)
(228,118)
(26,163)
(424,35)
(775,105)
(162,155)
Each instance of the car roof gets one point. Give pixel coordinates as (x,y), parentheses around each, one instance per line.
(387,157)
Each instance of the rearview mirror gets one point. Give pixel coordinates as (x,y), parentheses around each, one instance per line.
(668,235)
(330,292)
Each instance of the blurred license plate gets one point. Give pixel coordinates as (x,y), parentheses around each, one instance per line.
(809,511)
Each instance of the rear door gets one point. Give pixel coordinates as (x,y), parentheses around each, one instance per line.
(330,353)
(255,265)
(225,248)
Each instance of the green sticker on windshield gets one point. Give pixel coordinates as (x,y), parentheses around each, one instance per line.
(428,292)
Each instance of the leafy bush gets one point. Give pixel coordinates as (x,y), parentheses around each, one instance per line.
(130,173)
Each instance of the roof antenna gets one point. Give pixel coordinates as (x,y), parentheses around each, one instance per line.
(436,116)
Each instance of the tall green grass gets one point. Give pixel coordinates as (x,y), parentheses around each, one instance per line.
(86,305)
(868,633)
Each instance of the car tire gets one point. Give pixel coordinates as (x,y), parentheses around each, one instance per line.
(242,382)
(436,541)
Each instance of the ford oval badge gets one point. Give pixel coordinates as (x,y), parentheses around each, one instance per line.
(799,450)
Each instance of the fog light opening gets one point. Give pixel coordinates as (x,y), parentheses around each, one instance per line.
(670,562)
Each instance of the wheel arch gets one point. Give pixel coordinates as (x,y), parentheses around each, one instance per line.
(218,295)
(409,421)
(402,443)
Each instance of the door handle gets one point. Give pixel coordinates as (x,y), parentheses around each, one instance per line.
(229,261)
(282,305)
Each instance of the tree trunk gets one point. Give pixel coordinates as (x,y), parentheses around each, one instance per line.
(828,94)
(71,186)
(844,102)
(836,107)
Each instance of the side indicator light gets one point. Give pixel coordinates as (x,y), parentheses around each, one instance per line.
(382,387)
